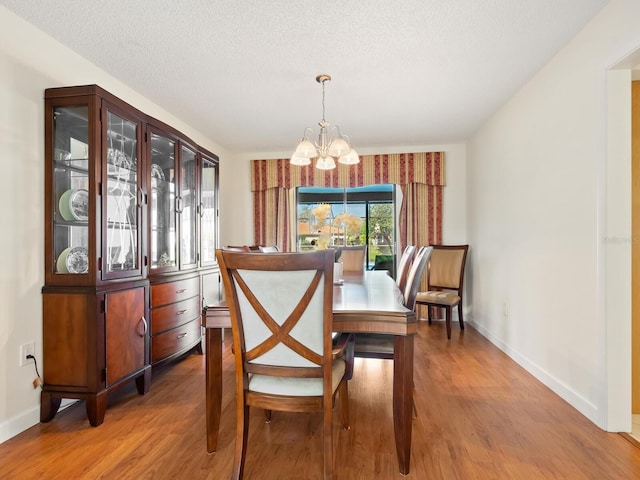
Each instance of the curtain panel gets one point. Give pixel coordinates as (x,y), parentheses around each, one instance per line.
(271,211)
(421,218)
(420,175)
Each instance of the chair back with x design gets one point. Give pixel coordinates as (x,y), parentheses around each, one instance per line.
(281,308)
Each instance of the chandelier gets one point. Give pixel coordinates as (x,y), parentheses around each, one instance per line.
(331,143)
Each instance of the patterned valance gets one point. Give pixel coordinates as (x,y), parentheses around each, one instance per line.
(399,168)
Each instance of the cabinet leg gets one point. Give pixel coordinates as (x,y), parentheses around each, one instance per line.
(143,382)
(199,348)
(96,407)
(48,406)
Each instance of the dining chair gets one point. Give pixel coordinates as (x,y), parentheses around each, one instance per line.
(374,345)
(237,248)
(405,264)
(281,308)
(445,281)
(268,249)
(353,259)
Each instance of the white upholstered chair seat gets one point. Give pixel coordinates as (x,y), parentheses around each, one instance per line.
(442,298)
(296,387)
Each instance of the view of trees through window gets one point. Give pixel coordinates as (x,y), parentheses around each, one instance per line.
(334,217)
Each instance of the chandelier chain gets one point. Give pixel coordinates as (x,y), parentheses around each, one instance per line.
(323,120)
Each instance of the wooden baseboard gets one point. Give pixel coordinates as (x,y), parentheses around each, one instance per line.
(630,439)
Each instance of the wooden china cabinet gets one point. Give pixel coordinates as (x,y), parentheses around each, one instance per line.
(131,228)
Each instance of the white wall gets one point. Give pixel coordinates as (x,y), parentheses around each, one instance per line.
(543,221)
(30,61)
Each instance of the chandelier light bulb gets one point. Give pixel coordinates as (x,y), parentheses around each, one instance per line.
(350,158)
(339,147)
(300,161)
(326,163)
(305,149)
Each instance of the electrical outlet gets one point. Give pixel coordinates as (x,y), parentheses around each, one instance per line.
(28,348)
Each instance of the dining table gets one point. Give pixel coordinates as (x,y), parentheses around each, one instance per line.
(369,302)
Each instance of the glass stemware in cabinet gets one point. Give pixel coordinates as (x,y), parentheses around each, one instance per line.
(208,212)
(187,208)
(122,193)
(162,200)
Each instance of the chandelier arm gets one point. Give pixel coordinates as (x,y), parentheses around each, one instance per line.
(306,136)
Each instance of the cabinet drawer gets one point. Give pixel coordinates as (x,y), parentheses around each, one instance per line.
(173,341)
(165,293)
(170,316)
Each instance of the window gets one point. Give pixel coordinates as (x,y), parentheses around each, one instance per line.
(329,217)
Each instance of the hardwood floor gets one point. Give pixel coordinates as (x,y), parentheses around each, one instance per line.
(480,416)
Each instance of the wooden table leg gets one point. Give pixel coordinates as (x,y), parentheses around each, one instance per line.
(213,385)
(403,398)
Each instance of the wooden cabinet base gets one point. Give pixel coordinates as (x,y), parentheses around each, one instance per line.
(96,403)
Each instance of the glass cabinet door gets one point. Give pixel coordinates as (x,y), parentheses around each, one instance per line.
(187,206)
(71,190)
(208,211)
(162,204)
(121,197)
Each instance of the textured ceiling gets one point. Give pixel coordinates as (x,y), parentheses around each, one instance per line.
(405,72)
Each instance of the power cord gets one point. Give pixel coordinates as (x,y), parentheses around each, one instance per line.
(37,382)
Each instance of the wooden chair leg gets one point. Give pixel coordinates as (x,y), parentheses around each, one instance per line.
(349,355)
(414,410)
(429,314)
(343,393)
(460,316)
(242,432)
(448,321)
(327,443)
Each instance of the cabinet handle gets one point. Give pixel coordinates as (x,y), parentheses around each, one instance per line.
(178,204)
(145,326)
(140,197)
(201,209)
(181,312)
(182,335)
(181,290)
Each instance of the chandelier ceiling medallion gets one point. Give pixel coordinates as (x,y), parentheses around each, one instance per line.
(331,143)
